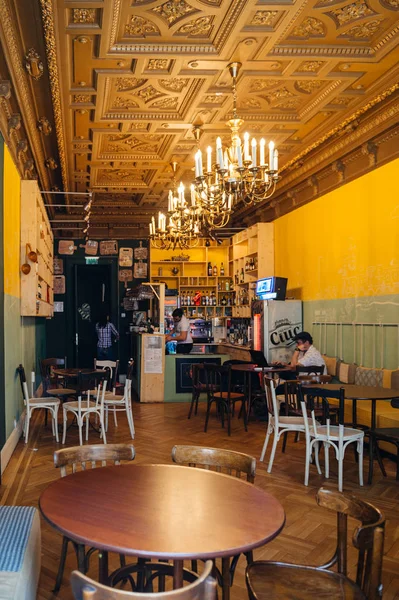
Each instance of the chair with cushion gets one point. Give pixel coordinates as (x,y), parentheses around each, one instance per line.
(50,382)
(203,588)
(220,460)
(48,403)
(219,390)
(279,425)
(384,434)
(20,552)
(337,436)
(84,406)
(86,457)
(296,582)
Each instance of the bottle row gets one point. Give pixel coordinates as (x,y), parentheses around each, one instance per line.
(205,299)
(213,270)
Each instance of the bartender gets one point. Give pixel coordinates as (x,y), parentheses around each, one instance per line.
(182,333)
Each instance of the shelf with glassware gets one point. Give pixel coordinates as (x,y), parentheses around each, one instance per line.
(251,257)
(204,270)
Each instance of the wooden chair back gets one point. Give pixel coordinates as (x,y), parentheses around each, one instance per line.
(197,369)
(24,385)
(46,371)
(368,538)
(311,370)
(310,398)
(291,395)
(271,400)
(94,453)
(204,588)
(91,381)
(220,460)
(113,368)
(217,377)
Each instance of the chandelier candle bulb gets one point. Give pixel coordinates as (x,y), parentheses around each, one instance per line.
(253,152)
(196,158)
(271,155)
(275,161)
(219,152)
(209,159)
(239,155)
(246,147)
(192,195)
(262,153)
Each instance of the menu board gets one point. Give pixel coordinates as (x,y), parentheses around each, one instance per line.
(153,346)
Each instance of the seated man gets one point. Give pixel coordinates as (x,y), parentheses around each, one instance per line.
(305,353)
(182,333)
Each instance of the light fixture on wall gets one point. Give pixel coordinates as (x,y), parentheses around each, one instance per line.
(245,172)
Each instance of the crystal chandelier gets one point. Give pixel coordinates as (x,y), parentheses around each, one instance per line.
(240,172)
(181,226)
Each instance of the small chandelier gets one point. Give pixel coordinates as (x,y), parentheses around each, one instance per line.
(181,226)
(238,173)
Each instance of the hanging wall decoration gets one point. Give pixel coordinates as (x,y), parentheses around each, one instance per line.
(140,270)
(58,266)
(66,247)
(140,252)
(108,247)
(125,275)
(59,284)
(125,257)
(91,247)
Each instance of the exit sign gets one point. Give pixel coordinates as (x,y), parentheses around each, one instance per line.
(92,260)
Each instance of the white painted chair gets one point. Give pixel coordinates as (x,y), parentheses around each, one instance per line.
(85,406)
(117,403)
(277,424)
(112,366)
(337,436)
(51,404)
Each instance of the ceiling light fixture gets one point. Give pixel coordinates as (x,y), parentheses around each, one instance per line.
(243,172)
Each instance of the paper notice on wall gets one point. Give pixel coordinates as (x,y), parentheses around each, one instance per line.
(153,347)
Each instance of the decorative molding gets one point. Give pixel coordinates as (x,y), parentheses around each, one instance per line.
(51,52)
(5,90)
(33,64)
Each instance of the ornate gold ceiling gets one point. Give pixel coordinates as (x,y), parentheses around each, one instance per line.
(130,78)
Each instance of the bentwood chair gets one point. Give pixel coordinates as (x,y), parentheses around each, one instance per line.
(219,390)
(51,404)
(337,436)
(220,460)
(117,403)
(277,425)
(295,582)
(203,588)
(384,434)
(86,457)
(83,407)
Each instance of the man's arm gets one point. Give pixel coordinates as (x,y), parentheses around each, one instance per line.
(114,331)
(294,359)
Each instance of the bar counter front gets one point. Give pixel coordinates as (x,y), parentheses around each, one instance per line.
(166,378)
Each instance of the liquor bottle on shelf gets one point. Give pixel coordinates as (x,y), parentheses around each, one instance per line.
(246,266)
(221,270)
(188,299)
(215,271)
(203,300)
(210,270)
(207,299)
(183,299)
(219,286)
(242,275)
(223,301)
(237,277)
(227,285)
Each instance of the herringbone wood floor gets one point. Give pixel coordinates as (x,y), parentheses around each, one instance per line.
(309,533)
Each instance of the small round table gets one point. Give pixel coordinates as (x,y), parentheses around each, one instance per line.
(363,392)
(162,512)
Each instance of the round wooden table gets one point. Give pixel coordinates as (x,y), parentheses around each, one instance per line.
(73,372)
(162,512)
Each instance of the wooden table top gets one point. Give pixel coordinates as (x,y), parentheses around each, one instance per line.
(162,511)
(251,368)
(74,372)
(360,392)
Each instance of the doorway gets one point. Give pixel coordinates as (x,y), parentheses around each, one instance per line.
(92,299)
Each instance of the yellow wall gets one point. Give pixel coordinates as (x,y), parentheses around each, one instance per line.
(12,211)
(344,244)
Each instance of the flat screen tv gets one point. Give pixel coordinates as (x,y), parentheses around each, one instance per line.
(271,288)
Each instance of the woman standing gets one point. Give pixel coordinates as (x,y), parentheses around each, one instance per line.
(105,330)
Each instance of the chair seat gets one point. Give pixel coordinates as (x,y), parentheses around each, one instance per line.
(201,387)
(334,432)
(274,581)
(44,401)
(386,433)
(225,395)
(294,421)
(75,406)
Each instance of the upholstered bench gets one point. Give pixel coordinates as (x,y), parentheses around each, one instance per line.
(20,552)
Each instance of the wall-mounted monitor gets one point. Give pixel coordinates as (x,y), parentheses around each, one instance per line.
(271,288)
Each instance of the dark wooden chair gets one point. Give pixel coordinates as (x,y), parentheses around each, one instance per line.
(236,464)
(314,371)
(384,434)
(219,390)
(86,457)
(288,581)
(199,387)
(203,588)
(51,383)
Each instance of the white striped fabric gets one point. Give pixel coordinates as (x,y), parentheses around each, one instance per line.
(15,526)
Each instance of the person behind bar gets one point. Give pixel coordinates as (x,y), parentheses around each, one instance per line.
(182,333)
(105,330)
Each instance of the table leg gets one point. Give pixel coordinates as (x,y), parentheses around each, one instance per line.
(249,395)
(177,574)
(226,578)
(103,567)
